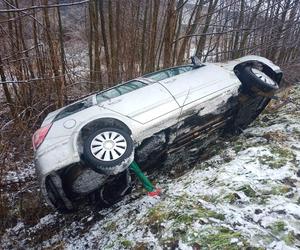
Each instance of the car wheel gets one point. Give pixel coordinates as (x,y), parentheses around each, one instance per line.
(56,198)
(79,180)
(114,190)
(256,80)
(108,150)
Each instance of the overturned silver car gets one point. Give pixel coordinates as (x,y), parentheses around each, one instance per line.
(87,147)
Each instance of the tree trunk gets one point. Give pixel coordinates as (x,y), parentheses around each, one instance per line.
(178,28)
(191,28)
(114,64)
(54,62)
(201,43)
(119,57)
(153,32)
(169,33)
(105,43)
(91,41)
(62,48)
(248,29)
(144,38)
(237,33)
(6,90)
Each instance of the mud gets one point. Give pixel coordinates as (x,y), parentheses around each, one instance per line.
(193,131)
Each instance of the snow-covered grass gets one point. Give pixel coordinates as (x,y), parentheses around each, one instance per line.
(246,195)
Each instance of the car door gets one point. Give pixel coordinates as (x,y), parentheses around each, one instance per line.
(143,104)
(199,84)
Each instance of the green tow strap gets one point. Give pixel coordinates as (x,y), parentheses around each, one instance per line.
(145,181)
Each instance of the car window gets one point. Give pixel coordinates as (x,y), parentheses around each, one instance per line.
(159,75)
(74,108)
(119,90)
(166,73)
(185,69)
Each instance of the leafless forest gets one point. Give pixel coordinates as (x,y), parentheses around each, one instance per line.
(53,52)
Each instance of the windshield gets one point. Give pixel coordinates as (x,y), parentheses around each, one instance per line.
(119,90)
(166,73)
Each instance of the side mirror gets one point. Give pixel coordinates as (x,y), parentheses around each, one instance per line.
(196,62)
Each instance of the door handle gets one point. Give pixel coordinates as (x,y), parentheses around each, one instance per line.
(114,102)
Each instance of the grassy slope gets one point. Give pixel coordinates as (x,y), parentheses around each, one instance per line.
(246,195)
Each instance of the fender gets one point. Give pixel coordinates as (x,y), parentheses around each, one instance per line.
(231,64)
(109,115)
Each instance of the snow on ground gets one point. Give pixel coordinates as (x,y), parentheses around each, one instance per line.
(19,175)
(246,195)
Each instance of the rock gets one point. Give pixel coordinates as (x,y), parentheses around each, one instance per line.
(257,211)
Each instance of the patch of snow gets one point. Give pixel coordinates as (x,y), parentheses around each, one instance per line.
(19,175)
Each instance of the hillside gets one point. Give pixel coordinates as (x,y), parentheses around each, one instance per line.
(246,195)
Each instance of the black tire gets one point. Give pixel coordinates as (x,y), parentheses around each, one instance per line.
(72,177)
(114,190)
(248,112)
(110,166)
(252,82)
(55,197)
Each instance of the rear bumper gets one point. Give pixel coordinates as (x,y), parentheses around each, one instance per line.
(55,157)
(49,160)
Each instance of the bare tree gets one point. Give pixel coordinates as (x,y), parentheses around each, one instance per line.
(54,59)
(201,44)
(169,32)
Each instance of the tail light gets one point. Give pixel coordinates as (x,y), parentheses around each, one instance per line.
(39,136)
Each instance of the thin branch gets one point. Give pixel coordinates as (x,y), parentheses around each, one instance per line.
(44,6)
(26,14)
(34,80)
(209,34)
